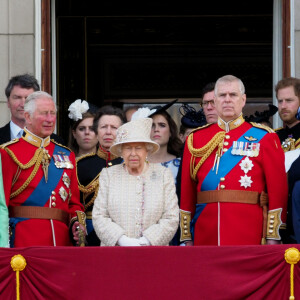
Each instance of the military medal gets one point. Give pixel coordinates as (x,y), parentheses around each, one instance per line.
(63,193)
(66,180)
(234,148)
(245,181)
(45,163)
(255,149)
(62,162)
(68,163)
(246,164)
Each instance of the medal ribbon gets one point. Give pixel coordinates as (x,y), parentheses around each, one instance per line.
(229,161)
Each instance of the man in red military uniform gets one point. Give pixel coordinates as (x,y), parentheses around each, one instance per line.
(234,186)
(40,182)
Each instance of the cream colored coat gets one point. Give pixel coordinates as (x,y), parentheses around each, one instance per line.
(118,208)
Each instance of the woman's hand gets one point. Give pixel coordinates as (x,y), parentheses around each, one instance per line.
(126,241)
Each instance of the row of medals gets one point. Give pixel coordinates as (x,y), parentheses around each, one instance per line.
(245,148)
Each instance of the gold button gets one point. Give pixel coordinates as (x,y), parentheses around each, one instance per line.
(185,217)
(185,227)
(185,231)
(271,226)
(53,198)
(227,137)
(224,150)
(53,204)
(53,193)
(226,143)
(222,186)
(185,222)
(110,164)
(271,221)
(270,231)
(272,217)
(222,178)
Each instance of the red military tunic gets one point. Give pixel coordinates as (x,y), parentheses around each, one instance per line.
(59,192)
(221,223)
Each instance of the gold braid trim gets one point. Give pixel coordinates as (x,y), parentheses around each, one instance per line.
(203,152)
(35,158)
(92,187)
(29,179)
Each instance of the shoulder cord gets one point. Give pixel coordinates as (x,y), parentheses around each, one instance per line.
(203,152)
(36,161)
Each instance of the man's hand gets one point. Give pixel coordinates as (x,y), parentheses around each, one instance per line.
(189,243)
(75,231)
(273,242)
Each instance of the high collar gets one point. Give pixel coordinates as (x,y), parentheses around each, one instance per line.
(227,126)
(105,154)
(35,140)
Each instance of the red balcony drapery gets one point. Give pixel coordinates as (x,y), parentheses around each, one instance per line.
(228,272)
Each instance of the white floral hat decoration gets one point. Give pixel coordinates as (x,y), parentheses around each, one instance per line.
(77,108)
(138,130)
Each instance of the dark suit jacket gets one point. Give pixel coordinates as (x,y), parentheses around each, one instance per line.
(5,135)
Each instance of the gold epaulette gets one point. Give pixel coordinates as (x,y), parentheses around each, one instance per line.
(185,226)
(204,152)
(277,129)
(274,223)
(61,145)
(201,127)
(9,143)
(261,126)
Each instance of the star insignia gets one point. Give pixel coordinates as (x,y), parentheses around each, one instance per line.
(250,138)
(245,181)
(246,164)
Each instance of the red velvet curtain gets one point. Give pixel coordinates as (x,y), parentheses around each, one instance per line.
(227,272)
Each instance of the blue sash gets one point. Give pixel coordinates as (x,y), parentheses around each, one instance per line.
(42,192)
(228,161)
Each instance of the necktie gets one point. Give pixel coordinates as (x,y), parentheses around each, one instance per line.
(19,135)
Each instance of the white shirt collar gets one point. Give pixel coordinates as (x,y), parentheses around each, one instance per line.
(14,130)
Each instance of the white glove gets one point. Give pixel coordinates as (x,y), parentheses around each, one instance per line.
(144,241)
(126,241)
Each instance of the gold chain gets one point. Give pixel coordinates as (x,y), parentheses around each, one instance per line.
(203,152)
(30,163)
(29,179)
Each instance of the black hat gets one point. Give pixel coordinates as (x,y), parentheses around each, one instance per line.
(192,118)
(160,109)
(263,116)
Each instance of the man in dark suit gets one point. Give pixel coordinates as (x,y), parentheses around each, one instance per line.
(17,90)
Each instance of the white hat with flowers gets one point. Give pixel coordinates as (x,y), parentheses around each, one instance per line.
(138,130)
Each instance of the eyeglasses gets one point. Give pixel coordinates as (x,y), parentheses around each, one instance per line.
(206,103)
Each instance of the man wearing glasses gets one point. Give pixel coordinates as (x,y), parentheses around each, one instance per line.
(208,103)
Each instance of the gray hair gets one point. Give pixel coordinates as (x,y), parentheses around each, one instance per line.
(30,102)
(230,78)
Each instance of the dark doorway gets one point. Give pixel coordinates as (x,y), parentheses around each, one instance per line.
(115,53)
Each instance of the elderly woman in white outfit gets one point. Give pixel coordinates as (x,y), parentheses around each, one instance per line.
(136,204)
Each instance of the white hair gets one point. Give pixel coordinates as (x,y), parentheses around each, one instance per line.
(30,102)
(230,78)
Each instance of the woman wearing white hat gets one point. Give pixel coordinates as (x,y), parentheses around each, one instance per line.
(136,204)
